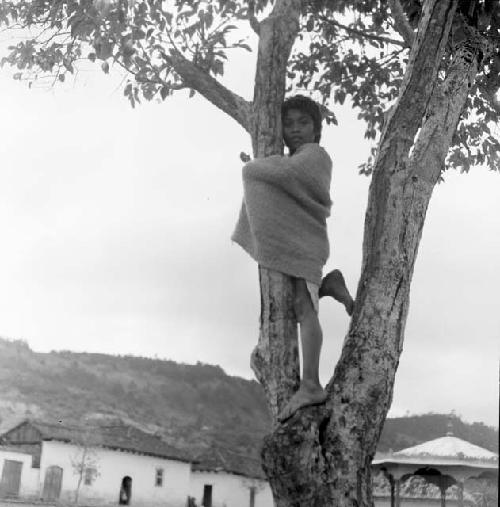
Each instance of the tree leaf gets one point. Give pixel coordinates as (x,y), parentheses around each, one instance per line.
(164,92)
(245,46)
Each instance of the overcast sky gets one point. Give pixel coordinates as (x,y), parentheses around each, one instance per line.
(116,226)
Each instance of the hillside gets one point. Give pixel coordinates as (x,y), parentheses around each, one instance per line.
(403,432)
(191,405)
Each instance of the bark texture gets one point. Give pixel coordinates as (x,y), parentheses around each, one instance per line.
(401,23)
(194,77)
(277,34)
(326,452)
(275,359)
(322,455)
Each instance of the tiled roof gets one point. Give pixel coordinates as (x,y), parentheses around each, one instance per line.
(121,436)
(59,432)
(219,459)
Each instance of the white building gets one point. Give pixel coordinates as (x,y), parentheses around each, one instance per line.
(106,465)
(118,464)
(222,478)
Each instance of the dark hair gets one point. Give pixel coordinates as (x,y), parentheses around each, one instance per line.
(306,105)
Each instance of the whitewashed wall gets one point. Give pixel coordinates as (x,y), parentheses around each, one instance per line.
(229,490)
(29,476)
(112,467)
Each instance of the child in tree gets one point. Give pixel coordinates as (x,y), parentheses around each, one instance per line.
(282,225)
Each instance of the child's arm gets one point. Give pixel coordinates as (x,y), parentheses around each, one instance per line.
(309,166)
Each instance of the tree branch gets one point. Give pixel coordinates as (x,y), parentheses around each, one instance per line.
(363,34)
(419,80)
(401,23)
(442,116)
(276,37)
(196,78)
(254,23)
(491,96)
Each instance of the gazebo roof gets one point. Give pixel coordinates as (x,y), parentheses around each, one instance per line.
(448,447)
(444,462)
(448,451)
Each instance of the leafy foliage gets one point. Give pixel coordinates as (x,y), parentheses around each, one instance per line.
(353,51)
(348,50)
(139,36)
(484,492)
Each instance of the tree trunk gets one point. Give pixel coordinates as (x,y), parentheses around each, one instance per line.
(322,456)
(275,359)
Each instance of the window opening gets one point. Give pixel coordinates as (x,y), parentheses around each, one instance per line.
(159,477)
(90,473)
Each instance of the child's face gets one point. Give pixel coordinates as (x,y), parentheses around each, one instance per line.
(298,129)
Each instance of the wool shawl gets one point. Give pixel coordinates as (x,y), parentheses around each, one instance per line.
(282,222)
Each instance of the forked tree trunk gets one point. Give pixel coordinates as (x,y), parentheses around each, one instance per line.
(322,456)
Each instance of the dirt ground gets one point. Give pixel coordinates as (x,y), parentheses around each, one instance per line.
(25,503)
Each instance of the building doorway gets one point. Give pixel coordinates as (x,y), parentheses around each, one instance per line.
(52,483)
(207,496)
(252,496)
(11,478)
(125,491)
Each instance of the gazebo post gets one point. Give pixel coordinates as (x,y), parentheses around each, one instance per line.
(391,482)
(442,488)
(397,502)
(389,475)
(460,485)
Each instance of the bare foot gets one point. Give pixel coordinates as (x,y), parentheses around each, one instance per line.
(333,284)
(304,397)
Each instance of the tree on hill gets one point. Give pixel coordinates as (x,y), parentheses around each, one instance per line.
(436,62)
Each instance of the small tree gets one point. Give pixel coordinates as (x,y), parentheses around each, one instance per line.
(484,491)
(85,461)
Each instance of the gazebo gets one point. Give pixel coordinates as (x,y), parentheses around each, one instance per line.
(445,461)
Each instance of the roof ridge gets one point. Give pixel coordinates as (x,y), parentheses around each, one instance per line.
(36,422)
(448,445)
(236,453)
(224,462)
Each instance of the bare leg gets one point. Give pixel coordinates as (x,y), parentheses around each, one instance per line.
(310,391)
(333,284)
